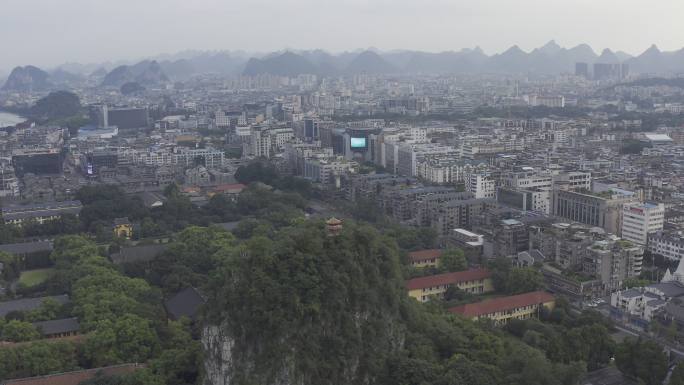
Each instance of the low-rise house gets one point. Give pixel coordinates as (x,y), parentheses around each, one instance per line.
(123,228)
(40,213)
(76,377)
(28,304)
(425,258)
(27,248)
(607,376)
(577,286)
(464,238)
(644,303)
(503,309)
(528,258)
(476,281)
(142,253)
(185,303)
(673,311)
(32,254)
(230,190)
(640,302)
(58,328)
(152,199)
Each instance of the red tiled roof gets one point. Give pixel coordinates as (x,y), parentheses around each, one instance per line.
(423,255)
(74,378)
(447,278)
(503,303)
(236,187)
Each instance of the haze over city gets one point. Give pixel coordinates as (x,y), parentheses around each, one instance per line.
(364,192)
(48,33)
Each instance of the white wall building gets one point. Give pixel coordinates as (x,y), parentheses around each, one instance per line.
(575,180)
(669,245)
(641,219)
(482,185)
(639,302)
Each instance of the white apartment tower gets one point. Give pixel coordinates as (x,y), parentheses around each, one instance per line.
(482,185)
(641,219)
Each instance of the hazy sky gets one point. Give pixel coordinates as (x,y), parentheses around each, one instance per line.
(50,32)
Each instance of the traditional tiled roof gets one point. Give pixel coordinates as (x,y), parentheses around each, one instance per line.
(74,378)
(27,247)
(502,304)
(141,253)
(424,255)
(447,278)
(58,326)
(28,304)
(184,303)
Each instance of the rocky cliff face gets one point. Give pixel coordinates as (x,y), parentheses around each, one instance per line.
(228,362)
(218,364)
(224,365)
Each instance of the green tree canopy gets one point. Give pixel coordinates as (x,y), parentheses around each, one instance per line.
(453,260)
(641,359)
(18,331)
(57,105)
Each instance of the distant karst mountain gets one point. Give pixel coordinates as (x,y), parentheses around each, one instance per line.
(285,64)
(28,78)
(318,63)
(549,59)
(180,69)
(654,61)
(370,62)
(101,72)
(61,76)
(222,63)
(145,73)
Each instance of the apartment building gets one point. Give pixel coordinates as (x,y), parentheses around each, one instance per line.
(482,185)
(458,214)
(327,171)
(641,219)
(425,258)
(613,260)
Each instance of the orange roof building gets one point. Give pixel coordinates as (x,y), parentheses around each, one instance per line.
(503,309)
(425,258)
(476,281)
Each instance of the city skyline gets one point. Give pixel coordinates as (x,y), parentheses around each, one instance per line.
(128,31)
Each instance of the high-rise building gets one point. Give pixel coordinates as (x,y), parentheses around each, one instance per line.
(610,71)
(9,184)
(311,129)
(641,219)
(582,69)
(482,185)
(126,117)
(613,261)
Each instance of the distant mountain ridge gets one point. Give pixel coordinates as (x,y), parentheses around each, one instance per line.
(28,78)
(550,59)
(145,73)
